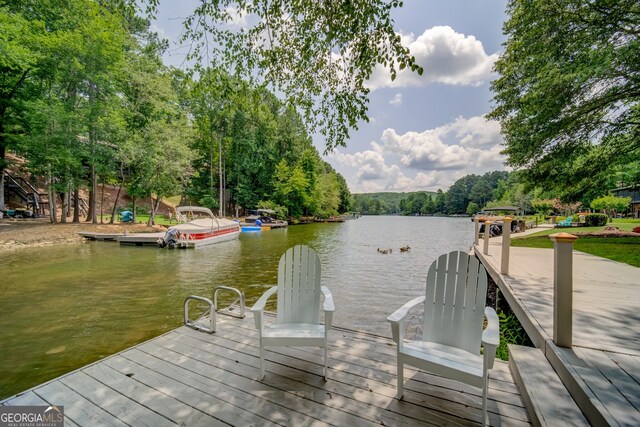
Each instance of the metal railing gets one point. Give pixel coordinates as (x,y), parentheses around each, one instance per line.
(207,322)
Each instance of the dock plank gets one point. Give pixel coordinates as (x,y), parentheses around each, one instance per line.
(152,398)
(305,384)
(205,402)
(546,396)
(115,403)
(608,392)
(293,396)
(207,380)
(191,378)
(76,407)
(31,399)
(619,378)
(290,361)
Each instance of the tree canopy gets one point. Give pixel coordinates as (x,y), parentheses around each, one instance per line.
(86,99)
(568,93)
(318,54)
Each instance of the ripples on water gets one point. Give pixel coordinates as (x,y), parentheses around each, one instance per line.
(64,307)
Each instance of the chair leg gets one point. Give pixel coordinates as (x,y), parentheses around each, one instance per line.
(484,400)
(325,362)
(400,375)
(261,362)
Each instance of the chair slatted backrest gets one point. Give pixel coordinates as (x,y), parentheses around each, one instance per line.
(299,286)
(454,301)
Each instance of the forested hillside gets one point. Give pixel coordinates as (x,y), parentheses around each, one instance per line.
(86,99)
(466,196)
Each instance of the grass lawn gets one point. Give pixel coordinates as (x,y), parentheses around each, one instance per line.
(160,219)
(621,249)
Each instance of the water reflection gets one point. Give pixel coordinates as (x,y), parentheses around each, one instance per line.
(61,308)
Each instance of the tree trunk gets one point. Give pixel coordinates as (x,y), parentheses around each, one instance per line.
(3,153)
(94,188)
(52,196)
(90,211)
(76,205)
(154,208)
(3,142)
(221,210)
(69,201)
(93,141)
(115,204)
(133,207)
(102,203)
(65,208)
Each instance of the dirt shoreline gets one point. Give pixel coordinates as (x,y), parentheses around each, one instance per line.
(32,233)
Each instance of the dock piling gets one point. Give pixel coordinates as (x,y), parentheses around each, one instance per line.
(506,244)
(563,288)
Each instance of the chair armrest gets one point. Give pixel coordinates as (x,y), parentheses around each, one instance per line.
(397,317)
(258,307)
(328,307)
(328,300)
(490,337)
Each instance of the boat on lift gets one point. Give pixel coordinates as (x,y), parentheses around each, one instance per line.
(198,227)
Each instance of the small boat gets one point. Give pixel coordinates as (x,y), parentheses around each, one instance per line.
(251,228)
(265,219)
(198,227)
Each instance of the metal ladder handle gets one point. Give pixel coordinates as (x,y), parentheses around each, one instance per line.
(227,311)
(195,325)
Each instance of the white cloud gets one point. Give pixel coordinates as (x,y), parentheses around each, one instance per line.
(464,144)
(428,160)
(237,17)
(396,101)
(446,56)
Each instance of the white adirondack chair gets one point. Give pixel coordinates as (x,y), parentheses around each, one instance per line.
(454,309)
(298,307)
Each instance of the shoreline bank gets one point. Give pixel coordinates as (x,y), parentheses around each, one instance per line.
(33,233)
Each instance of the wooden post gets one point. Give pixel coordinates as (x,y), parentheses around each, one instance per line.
(487,233)
(563,288)
(476,228)
(506,244)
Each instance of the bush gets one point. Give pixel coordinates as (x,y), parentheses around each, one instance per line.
(595,220)
(636,230)
(511,332)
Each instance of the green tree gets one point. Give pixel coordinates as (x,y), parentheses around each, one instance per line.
(457,198)
(319,54)
(473,208)
(481,192)
(20,39)
(567,95)
(611,204)
(543,206)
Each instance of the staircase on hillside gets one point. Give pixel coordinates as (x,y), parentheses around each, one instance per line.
(20,188)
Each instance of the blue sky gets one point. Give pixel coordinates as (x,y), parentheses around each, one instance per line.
(425,132)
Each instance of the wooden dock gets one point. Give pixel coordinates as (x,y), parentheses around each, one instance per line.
(136,239)
(602,369)
(192,378)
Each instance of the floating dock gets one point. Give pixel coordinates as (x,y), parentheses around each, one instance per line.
(136,239)
(185,377)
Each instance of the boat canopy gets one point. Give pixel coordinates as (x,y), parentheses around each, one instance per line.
(185,213)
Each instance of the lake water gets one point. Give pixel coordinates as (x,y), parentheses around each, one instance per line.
(63,307)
